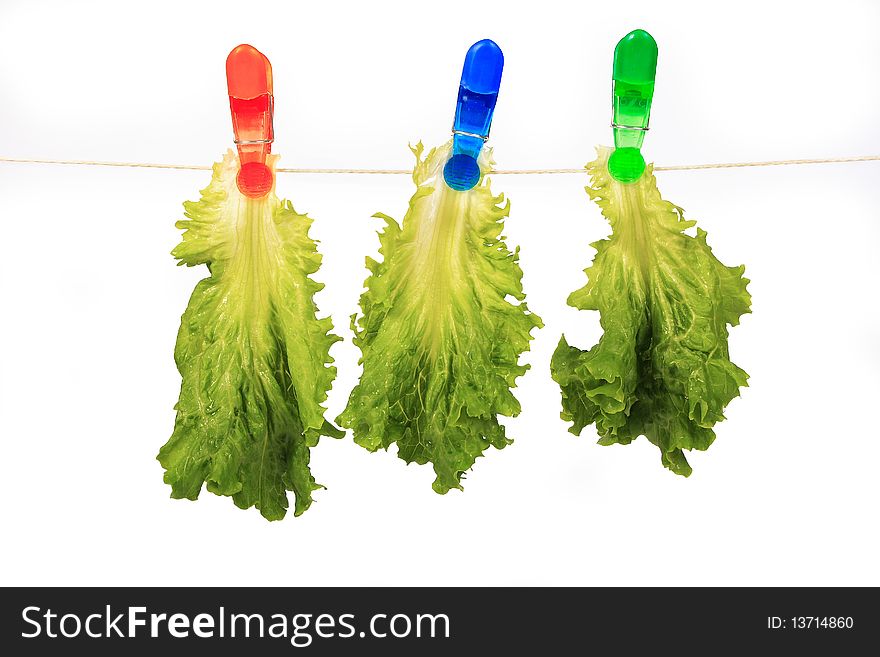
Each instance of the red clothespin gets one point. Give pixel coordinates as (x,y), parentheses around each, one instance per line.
(249,79)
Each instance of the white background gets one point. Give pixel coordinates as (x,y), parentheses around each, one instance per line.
(91,298)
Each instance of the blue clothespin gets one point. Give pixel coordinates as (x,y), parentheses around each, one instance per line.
(477,94)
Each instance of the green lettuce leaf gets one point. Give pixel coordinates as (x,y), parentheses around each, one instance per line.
(251,351)
(662,367)
(440,341)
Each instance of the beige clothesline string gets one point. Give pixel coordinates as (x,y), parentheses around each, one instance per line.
(679,167)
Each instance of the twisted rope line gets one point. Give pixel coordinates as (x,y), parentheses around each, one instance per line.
(392,172)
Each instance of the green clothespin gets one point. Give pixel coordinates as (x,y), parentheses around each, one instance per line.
(635,67)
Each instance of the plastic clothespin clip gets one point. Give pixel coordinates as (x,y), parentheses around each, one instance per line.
(477,94)
(249,80)
(635,67)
